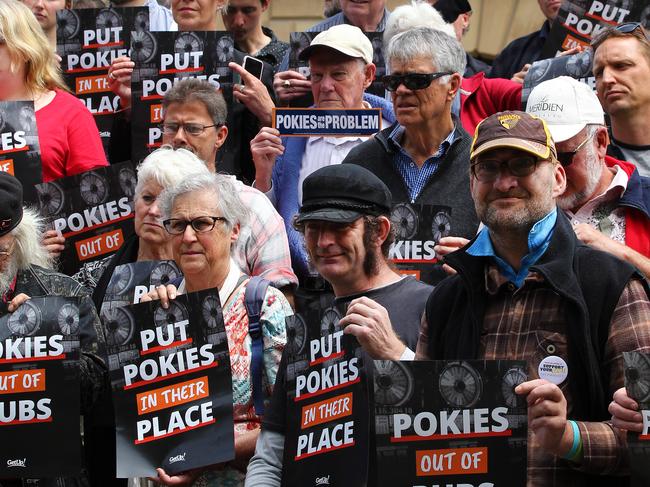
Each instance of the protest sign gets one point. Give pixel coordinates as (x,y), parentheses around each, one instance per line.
(637,384)
(450,423)
(88,40)
(418,228)
(20,153)
(171,384)
(92,210)
(161,60)
(309,122)
(579,21)
(39,389)
(327,404)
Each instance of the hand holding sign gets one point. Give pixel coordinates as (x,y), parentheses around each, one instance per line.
(164,293)
(625,412)
(266,146)
(53,242)
(16,302)
(119,79)
(547,410)
(185,478)
(369,322)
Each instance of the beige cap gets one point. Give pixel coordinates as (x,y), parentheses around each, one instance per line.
(344,38)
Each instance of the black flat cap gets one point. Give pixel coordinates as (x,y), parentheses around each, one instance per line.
(343,193)
(11,202)
(451,9)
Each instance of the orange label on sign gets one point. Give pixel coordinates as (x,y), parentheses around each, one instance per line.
(327,410)
(7,166)
(156,112)
(453,461)
(22,381)
(91,84)
(99,244)
(168,396)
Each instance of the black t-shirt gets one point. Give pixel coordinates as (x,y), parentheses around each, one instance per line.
(404,300)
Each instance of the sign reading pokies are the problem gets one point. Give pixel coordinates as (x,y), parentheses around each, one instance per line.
(164,58)
(450,423)
(171,384)
(637,384)
(88,41)
(20,153)
(579,21)
(327,403)
(310,122)
(39,389)
(92,210)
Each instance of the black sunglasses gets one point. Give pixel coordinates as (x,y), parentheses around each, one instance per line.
(413,81)
(627,27)
(566,158)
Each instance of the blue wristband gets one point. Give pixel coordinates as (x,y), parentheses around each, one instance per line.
(577,441)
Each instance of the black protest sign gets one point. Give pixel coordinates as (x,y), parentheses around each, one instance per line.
(298,41)
(171,384)
(577,66)
(442,423)
(130,282)
(164,58)
(327,404)
(637,384)
(39,389)
(92,210)
(20,153)
(418,228)
(88,40)
(578,21)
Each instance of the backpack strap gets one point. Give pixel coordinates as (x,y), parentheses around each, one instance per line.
(253,300)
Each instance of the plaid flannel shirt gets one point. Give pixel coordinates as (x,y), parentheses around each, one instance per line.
(529,324)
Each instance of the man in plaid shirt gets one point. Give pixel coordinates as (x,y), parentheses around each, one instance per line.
(526,288)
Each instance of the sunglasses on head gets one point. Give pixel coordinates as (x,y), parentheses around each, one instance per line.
(413,81)
(627,27)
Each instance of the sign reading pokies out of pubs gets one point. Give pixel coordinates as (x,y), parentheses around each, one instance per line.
(327,403)
(450,423)
(88,40)
(92,210)
(171,384)
(20,153)
(161,60)
(637,384)
(39,389)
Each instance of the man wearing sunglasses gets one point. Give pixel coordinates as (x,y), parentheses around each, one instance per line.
(607,200)
(423,157)
(526,289)
(622,68)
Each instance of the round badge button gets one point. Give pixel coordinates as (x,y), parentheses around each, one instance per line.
(554,369)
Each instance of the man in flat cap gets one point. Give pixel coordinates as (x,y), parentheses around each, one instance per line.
(527,289)
(25,273)
(340,60)
(345,218)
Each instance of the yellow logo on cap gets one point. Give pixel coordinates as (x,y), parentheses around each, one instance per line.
(509,121)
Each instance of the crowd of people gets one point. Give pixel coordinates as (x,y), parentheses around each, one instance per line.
(543,251)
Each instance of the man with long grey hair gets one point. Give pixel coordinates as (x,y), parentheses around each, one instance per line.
(25,273)
(424,157)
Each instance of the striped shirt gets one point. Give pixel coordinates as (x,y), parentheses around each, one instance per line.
(415,178)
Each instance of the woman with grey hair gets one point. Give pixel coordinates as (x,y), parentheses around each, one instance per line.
(478,97)
(203,214)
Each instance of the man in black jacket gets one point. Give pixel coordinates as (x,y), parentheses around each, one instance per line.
(527,289)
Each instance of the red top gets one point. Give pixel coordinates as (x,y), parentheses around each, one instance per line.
(68,137)
(482,97)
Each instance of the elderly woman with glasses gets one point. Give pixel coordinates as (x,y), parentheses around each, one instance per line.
(203,214)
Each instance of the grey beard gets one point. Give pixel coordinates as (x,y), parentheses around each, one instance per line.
(7,277)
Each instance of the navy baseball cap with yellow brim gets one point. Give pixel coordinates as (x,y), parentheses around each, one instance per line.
(513,130)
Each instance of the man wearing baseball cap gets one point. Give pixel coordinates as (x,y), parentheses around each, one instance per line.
(607,200)
(340,60)
(527,289)
(345,218)
(25,272)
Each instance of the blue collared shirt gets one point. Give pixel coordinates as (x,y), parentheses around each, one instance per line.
(538,239)
(414,177)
